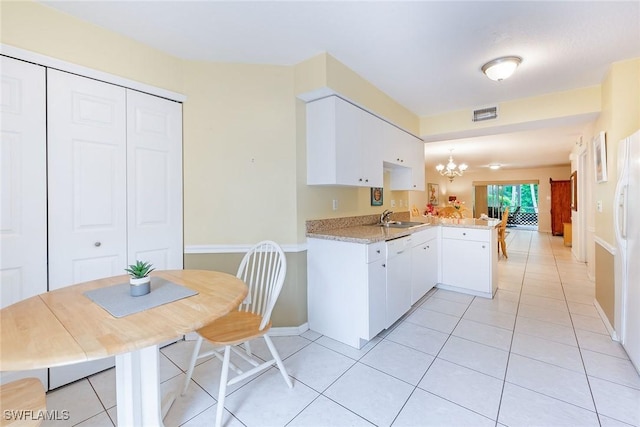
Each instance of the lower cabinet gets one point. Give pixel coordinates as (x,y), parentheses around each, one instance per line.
(469,260)
(346,295)
(398,278)
(424,263)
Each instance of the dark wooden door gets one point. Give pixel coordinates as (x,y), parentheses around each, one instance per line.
(560,205)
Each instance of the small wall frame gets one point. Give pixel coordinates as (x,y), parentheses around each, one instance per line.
(376,196)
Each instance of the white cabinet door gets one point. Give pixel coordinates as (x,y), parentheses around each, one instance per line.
(87,179)
(424,268)
(343,144)
(398,279)
(467,264)
(348,141)
(417,169)
(377,297)
(154,187)
(371,150)
(23,196)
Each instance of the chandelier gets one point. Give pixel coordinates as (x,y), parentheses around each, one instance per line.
(451,170)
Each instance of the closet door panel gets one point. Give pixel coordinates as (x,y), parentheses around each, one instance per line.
(23,189)
(23,180)
(154,170)
(87,179)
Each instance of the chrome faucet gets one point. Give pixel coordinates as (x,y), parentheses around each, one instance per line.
(384,218)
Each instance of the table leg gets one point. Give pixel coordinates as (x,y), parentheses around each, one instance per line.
(138,388)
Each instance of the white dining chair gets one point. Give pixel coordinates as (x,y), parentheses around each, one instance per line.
(263,269)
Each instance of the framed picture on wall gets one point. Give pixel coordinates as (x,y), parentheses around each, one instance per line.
(600,157)
(376,196)
(434,194)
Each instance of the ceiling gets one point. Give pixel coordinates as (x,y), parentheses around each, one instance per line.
(424,54)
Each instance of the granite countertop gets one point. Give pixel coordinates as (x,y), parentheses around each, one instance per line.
(353,230)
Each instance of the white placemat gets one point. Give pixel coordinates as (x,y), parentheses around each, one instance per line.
(119,303)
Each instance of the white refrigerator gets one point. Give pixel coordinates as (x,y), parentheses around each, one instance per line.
(627,231)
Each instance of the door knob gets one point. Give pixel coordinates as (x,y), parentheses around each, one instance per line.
(97,244)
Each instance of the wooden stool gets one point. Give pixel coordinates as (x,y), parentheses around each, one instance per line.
(21,402)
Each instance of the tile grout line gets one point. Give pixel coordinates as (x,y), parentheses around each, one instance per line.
(506,368)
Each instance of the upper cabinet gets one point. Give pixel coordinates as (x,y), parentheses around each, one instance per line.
(343,145)
(349,146)
(403,153)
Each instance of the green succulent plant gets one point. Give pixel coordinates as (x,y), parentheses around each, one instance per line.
(140,269)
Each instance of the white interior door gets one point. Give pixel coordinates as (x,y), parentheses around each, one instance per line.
(154,175)
(23,181)
(87,190)
(87,179)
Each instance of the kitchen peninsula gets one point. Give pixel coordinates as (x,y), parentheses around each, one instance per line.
(362,277)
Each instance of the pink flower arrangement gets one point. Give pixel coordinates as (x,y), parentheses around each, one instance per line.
(430,209)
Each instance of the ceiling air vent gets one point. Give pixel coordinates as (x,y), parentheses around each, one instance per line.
(485,114)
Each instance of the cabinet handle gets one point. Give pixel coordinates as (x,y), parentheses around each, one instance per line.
(360,179)
(97,244)
(482,246)
(464,234)
(378,251)
(366,180)
(384,265)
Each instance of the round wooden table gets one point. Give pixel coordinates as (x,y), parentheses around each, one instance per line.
(63,327)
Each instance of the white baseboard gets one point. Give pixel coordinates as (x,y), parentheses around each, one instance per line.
(605,320)
(289,330)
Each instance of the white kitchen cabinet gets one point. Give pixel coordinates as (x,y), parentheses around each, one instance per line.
(469,260)
(403,154)
(346,290)
(424,263)
(343,144)
(398,278)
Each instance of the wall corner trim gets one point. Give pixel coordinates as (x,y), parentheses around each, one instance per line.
(605,320)
(605,245)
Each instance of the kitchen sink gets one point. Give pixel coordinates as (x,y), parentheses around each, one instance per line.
(401,224)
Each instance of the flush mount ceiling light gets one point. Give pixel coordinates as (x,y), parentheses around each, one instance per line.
(494,167)
(501,68)
(451,170)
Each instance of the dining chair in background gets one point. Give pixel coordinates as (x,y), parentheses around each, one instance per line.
(502,233)
(263,269)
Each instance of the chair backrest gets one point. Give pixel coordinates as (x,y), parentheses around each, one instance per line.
(505,218)
(263,269)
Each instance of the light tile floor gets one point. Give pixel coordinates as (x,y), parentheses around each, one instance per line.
(537,354)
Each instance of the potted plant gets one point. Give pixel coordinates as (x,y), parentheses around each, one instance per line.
(140,281)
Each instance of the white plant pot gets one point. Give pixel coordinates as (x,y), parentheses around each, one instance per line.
(140,286)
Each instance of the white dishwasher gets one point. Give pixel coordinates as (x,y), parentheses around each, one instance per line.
(398,278)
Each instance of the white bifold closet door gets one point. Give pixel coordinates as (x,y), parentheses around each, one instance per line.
(23,181)
(115,186)
(87,190)
(154,181)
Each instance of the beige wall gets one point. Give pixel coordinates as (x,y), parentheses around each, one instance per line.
(29,25)
(462,187)
(620,118)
